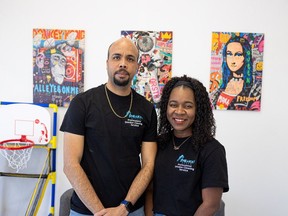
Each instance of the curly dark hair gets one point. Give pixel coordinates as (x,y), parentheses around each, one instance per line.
(203,127)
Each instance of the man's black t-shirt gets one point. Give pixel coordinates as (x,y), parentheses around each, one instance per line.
(111,144)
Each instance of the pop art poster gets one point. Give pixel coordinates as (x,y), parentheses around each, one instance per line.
(236,71)
(58,65)
(155,62)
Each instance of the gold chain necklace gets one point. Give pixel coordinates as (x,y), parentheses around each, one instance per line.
(178,147)
(131,102)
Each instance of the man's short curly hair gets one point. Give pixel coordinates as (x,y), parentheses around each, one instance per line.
(203,127)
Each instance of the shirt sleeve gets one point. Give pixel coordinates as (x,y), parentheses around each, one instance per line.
(74,119)
(151,132)
(214,168)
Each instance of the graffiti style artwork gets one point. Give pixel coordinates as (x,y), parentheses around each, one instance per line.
(155,62)
(236,71)
(58,65)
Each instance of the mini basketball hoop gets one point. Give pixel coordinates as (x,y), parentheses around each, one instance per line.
(17,152)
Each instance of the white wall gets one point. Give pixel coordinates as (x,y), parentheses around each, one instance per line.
(256,142)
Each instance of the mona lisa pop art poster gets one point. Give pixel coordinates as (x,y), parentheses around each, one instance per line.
(236,71)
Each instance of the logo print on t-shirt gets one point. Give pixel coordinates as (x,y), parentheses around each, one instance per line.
(134,120)
(184,165)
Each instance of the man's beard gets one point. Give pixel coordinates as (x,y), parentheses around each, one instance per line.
(120,82)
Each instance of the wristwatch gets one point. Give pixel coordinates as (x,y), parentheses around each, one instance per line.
(128,205)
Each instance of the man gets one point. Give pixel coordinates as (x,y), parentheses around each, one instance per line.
(105,130)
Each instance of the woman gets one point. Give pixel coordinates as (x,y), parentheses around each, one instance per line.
(235,91)
(190,170)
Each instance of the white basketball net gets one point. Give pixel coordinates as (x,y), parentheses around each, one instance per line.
(16,155)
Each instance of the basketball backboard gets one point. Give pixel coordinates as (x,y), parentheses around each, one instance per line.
(30,120)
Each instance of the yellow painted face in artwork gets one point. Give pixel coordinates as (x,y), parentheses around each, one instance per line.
(235,56)
(259,66)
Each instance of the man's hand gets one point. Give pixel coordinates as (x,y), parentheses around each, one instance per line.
(114,211)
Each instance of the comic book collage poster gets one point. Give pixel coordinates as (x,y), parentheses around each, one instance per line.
(236,71)
(155,62)
(58,65)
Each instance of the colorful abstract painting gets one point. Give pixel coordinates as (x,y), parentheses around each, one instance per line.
(58,65)
(236,70)
(155,62)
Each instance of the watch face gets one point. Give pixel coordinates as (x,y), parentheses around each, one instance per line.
(128,205)
(145,43)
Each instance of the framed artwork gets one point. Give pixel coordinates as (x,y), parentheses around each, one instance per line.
(58,65)
(236,71)
(155,62)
